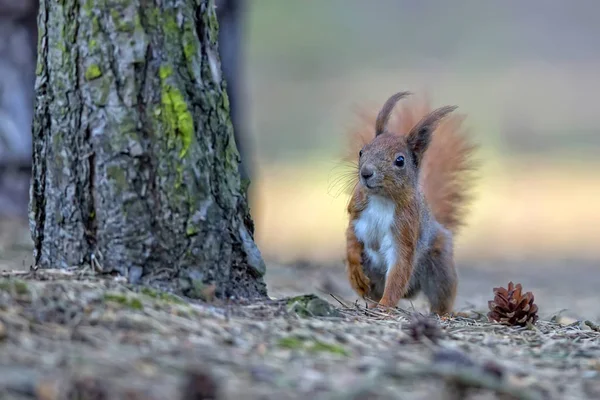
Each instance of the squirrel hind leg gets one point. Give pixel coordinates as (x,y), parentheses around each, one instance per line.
(439,280)
(377,282)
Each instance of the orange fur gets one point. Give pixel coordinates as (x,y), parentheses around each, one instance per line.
(354,248)
(358,280)
(436,184)
(445,172)
(397,282)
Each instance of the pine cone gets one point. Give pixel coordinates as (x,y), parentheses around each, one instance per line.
(422,326)
(511,307)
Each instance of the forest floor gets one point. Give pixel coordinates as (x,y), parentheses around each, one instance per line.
(72,334)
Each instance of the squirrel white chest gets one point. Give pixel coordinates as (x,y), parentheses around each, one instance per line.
(374,229)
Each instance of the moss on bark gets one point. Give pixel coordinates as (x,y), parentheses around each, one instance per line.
(135,165)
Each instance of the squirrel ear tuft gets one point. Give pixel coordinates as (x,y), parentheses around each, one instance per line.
(419,137)
(384,115)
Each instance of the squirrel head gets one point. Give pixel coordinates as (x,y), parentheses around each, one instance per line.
(389,165)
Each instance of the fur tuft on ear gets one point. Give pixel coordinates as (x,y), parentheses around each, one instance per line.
(419,137)
(384,115)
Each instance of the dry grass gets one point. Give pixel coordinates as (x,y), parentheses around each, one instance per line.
(521,209)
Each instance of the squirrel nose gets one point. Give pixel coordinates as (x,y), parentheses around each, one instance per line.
(367,171)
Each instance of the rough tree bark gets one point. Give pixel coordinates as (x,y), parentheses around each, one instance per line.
(134,160)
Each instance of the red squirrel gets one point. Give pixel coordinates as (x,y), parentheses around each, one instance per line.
(409,202)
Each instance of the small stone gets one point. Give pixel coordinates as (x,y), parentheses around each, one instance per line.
(311,306)
(320,308)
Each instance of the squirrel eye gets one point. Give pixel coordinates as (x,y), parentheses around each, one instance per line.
(360,154)
(400,161)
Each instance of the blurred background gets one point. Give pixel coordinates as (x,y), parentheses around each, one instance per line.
(525,73)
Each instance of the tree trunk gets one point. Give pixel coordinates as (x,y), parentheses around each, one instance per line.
(135,167)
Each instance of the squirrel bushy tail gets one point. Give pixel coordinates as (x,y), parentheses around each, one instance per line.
(445,175)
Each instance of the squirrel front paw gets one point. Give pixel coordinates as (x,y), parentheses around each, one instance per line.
(359,281)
